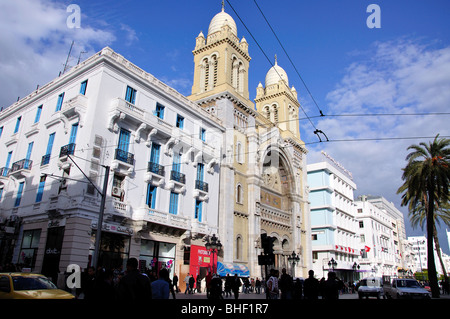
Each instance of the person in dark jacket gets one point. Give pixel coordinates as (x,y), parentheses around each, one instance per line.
(311,287)
(134,286)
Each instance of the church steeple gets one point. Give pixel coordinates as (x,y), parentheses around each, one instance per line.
(221,60)
(277,102)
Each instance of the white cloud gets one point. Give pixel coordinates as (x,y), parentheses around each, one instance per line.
(399,77)
(35,42)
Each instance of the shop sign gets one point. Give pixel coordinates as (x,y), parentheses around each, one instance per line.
(114,228)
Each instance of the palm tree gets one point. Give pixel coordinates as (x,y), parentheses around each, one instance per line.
(426,181)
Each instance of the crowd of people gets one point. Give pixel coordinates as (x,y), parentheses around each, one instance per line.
(131,285)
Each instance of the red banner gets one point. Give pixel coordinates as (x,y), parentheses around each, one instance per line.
(200,257)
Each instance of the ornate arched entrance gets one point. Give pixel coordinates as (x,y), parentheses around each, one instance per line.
(276,189)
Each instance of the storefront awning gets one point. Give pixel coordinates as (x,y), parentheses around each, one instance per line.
(230,268)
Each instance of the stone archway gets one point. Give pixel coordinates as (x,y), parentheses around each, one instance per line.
(276,189)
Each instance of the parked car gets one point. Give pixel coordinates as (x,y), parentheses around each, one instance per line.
(371,287)
(405,288)
(29,286)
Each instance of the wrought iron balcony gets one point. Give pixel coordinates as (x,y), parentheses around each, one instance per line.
(178,177)
(155,168)
(124,156)
(68,149)
(201,185)
(45,159)
(22,164)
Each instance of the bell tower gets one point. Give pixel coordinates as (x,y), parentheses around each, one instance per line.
(277,102)
(221,61)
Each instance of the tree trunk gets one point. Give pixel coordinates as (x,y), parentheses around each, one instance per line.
(432,276)
(438,251)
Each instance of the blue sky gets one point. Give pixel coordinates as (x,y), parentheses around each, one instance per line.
(402,67)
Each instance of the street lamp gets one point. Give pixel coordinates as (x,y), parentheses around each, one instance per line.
(332,264)
(293,258)
(214,245)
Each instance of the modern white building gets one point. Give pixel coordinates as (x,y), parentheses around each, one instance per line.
(334,227)
(419,244)
(163,153)
(379,246)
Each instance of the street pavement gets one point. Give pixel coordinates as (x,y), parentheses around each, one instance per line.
(202,295)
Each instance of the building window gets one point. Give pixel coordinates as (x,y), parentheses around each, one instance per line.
(202,134)
(83,87)
(180,121)
(1,131)
(155,153)
(239,153)
(159,111)
(151,196)
(28,250)
(198,209)
(130,95)
(19,194)
(40,191)
(8,161)
(239,194)
(46,157)
(38,114)
(16,129)
(238,248)
(173,205)
(361,224)
(59,102)
(124,140)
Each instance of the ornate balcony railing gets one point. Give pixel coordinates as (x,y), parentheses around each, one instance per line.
(123,156)
(178,177)
(201,185)
(68,149)
(155,168)
(22,164)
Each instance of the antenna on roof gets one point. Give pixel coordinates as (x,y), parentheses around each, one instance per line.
(67,60)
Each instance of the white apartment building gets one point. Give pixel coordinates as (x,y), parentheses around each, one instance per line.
(162,190)
(380,253)
(419,246)
(334,227)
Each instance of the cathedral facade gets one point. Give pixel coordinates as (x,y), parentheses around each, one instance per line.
(263,163)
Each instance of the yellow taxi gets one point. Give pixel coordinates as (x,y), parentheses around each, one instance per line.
(29,286)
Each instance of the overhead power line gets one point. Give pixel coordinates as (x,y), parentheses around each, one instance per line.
(264,53)
(289,58)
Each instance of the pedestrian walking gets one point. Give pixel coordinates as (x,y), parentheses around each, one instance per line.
(160,287)
(134,286)
(258,285)
(236,284)
(332,286)
(186,281)
(311,287)
(228,285)
(272,285)
(216,287)
(175,283)
(286,285)
(191,284)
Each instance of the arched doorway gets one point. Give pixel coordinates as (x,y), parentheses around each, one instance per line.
(276,189)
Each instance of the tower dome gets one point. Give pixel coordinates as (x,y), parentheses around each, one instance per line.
(274,75)
(221,19)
